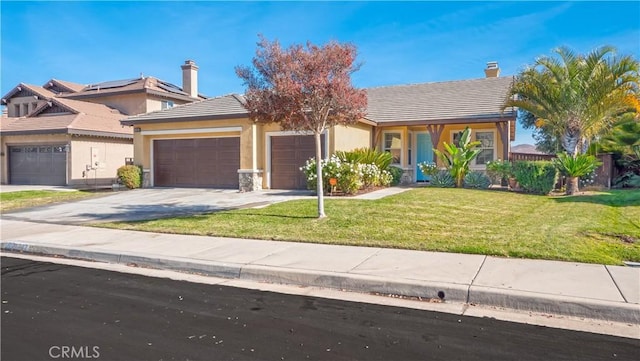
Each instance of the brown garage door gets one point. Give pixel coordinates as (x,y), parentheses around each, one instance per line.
(200,162)
(288,154)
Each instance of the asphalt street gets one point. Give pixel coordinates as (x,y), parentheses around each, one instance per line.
(52,311)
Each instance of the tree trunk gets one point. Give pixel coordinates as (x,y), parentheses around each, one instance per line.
(572,185)
(320,186)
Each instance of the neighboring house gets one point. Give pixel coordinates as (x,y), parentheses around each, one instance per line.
(213,143)
(64,133)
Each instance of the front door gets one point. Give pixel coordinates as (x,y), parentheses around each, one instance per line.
(424,153)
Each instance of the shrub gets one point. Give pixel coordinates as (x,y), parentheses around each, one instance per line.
(500,170)
(628,179)
(477,180)
(396,175)
(349,176)
(130,176)
(536,177)
(382,160)
(443,179)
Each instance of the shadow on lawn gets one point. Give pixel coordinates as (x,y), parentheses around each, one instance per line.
(617,198)
(274,215)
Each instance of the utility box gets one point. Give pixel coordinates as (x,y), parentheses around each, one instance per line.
(95,158)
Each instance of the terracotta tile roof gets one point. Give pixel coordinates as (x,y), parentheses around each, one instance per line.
(226,106)
(83,118)
(464,99)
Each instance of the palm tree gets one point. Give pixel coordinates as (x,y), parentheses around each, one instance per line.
(577,97)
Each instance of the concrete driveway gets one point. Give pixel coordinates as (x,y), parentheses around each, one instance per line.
(151,203)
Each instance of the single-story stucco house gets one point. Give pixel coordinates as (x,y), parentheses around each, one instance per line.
(214,143)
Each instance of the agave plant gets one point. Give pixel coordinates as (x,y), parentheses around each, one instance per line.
(477,180)
(442,179)
(575,167)
(458,158)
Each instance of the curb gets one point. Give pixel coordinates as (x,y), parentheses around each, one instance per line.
(457,293)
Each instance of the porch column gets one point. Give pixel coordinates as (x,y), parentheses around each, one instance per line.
(435,130)
(503,130)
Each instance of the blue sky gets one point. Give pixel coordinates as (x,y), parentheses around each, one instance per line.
(398,42)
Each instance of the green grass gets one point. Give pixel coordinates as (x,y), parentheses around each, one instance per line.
(601,227)
(24,199)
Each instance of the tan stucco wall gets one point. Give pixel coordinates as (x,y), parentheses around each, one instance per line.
(351,137)
(130,104)
(155,103)
(11,140)
(110,153)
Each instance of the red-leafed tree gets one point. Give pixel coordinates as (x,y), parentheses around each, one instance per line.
(304,89)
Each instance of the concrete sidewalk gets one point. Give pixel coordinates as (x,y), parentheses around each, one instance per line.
(583,290)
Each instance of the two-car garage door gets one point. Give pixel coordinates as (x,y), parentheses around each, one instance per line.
(214,162)
(199,162)
(38,164)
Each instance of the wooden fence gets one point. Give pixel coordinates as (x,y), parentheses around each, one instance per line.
(603,174)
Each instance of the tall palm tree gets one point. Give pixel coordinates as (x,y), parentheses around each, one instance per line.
(577,97)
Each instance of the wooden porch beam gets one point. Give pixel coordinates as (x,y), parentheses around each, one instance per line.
(503,130)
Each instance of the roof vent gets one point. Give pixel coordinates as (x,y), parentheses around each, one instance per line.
(492,70)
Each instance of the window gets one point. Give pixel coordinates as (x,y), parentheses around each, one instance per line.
(166,104)
(34,106)
(487,146)
(16,110)
(393,145)
(456,138)
(25,108)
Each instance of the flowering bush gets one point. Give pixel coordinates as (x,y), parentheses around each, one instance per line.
(349,176)
(428,168)
(588,180)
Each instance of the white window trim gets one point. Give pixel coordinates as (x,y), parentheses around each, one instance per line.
(473,165)
(402,156)
(267,147)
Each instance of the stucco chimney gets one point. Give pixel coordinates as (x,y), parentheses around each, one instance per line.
(492,70)
(190,78)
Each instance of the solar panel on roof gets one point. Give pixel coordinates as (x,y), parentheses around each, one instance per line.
(112,84)
(170,88)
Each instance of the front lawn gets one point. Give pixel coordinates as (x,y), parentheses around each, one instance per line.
(599,227)
(24,199)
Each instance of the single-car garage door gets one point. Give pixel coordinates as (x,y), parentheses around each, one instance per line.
(288,154)
(199,162)
(38,164)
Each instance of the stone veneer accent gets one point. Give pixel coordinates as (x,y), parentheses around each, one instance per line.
(146,178)
(250,179)
(407,176)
